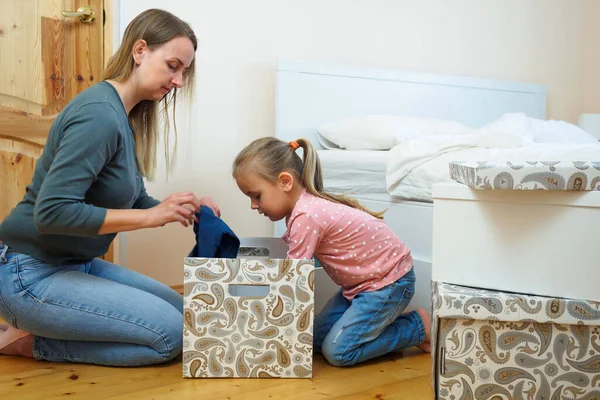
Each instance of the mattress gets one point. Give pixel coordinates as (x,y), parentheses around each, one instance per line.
(359,173)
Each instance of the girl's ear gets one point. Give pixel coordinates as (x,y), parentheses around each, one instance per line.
(138,51)
(286,181)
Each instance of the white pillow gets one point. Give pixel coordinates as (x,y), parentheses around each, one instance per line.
(510,126)
(533,130)
(382,132)
(559,132)
(327,144)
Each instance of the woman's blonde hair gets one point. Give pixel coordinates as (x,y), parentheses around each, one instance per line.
(155,27)
(270,156)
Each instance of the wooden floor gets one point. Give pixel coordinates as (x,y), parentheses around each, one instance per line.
(401,377)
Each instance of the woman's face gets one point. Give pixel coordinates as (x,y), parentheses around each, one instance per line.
(161,69)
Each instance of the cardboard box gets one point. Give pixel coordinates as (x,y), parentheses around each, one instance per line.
(526,241)
(548,175)
(497,345)
(249,317)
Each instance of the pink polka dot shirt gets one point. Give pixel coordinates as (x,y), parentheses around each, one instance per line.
(358,251)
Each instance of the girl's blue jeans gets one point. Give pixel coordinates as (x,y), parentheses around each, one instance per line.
(371,325)
(94,312)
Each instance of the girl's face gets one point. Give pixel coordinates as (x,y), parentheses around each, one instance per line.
(159,70)
(272,199)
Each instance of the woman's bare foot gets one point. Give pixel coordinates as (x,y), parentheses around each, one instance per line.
(426,345)
(14,342)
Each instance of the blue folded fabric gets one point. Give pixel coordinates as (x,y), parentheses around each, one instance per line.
(214,239)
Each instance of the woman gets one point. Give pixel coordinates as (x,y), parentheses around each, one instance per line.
(68,305)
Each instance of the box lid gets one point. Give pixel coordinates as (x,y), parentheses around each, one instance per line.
(458,191)
(453,301)
(540,165)
(528,175)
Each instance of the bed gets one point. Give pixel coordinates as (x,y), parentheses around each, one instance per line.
(361,173)
(309,95)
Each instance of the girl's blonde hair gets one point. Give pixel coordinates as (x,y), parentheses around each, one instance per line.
(155,27)
(270,156)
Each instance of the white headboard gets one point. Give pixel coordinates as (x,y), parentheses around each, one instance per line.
(310,94)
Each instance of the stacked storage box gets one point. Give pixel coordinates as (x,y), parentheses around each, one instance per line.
(516,276)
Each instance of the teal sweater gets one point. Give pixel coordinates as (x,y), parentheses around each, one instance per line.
(88,166)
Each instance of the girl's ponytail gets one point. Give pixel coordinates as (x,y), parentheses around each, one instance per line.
(312,179)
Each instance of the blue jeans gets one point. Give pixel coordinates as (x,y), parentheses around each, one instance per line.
(371,325)
(94,312)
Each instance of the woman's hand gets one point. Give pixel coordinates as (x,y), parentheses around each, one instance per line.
(178,207)
(209,202)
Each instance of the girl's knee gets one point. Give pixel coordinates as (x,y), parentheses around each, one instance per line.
(336,353)
(332,357)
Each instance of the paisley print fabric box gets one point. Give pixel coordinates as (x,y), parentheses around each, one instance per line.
(545,175)
(249,317)
(497,345)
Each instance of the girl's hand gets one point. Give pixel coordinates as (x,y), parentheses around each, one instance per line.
(178,207)
(209,202)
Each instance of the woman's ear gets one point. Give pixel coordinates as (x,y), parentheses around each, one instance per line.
(138,51)
(286,181)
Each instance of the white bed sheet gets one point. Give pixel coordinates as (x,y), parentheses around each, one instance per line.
(359,173)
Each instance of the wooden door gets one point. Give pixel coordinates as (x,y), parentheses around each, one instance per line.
(46,58)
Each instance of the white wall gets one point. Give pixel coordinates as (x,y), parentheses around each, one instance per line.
(539,41)
(591,59)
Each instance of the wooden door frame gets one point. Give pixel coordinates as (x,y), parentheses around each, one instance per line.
(112,9)
(111,39)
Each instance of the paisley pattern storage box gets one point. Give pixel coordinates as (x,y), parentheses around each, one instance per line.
(546,175)
(498,345)
(249,317)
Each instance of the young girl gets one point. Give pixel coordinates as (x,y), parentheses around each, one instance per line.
(356,248)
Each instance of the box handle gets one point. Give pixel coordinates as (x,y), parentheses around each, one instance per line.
(249,290)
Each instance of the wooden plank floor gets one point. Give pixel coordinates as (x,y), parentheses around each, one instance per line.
(400,377)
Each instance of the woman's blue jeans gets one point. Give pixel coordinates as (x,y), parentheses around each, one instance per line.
(94,312)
